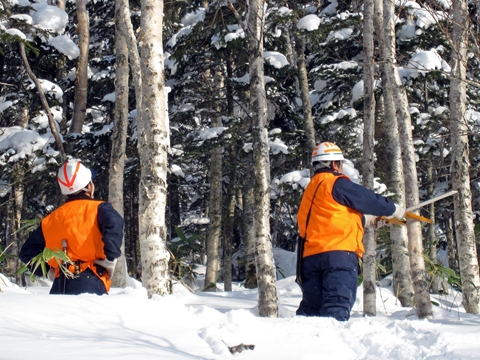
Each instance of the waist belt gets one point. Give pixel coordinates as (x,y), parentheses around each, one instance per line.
(75,267)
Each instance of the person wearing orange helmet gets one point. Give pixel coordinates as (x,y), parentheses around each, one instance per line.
(331,219)
(89,231)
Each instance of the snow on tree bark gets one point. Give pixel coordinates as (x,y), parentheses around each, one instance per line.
(402,280)
(464,227)
(415,246)
(119,137)
(369,257)
(152,147)
(266,272)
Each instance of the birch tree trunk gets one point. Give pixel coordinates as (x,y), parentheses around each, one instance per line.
(119,137)
(415,246)
(81,84)
(266,273)
(134,62)
(369,257)
(402,280)
(464,227)
(152,147)
(212,271)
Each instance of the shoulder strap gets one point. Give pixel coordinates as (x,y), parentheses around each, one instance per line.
(310,210)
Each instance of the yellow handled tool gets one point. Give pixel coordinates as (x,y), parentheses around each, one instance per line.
(408,215)
(412,216)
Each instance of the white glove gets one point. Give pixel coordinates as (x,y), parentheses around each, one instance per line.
(108,265)
(51,274)
(398,214)
(374,222)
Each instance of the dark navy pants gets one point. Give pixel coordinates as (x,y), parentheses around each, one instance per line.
(330,282)
(84,283)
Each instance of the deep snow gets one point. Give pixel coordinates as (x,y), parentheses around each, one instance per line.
(185,325)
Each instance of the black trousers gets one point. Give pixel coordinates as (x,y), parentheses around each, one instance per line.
(330,282)
(85,282)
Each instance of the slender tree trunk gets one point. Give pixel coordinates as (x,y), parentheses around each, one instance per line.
(305,96)
(119,141)
(451,244)
(464,227)
(229,220)
(80,106)
(369,258)
(303,88)
(266,273)
(415,246)
(402,280)
(249,229)
(153,144)
(215,201)
(134,62)
(432,237)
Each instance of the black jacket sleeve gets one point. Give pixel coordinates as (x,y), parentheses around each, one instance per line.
(111,226)
(363,200)
(34,245)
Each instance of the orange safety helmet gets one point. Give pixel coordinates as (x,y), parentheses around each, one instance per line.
(327,151)
(73,177)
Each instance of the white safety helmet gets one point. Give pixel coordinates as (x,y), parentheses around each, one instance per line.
(327,151)
(73,177)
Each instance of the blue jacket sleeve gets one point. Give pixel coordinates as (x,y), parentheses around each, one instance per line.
(363,200)
(33,246)
(111,226)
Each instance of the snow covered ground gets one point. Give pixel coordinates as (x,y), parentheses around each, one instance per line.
(185,325)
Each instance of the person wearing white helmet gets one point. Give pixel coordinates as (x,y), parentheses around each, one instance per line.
(89,231)
(331,219)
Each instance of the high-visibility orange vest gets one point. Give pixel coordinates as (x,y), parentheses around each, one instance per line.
(332,226)
(76,222)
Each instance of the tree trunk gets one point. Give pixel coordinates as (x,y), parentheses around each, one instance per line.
(215,201)
(80,106)
(369,258)
(415,247)
(119,138)
(305,96)
(402,280)
(153,144)
(249,229)
(229,220)
(464,227)
(266,273)
(432,237)
(451,244)
(134,61)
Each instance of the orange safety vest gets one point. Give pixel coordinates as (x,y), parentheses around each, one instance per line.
(332,226)
(76,222)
